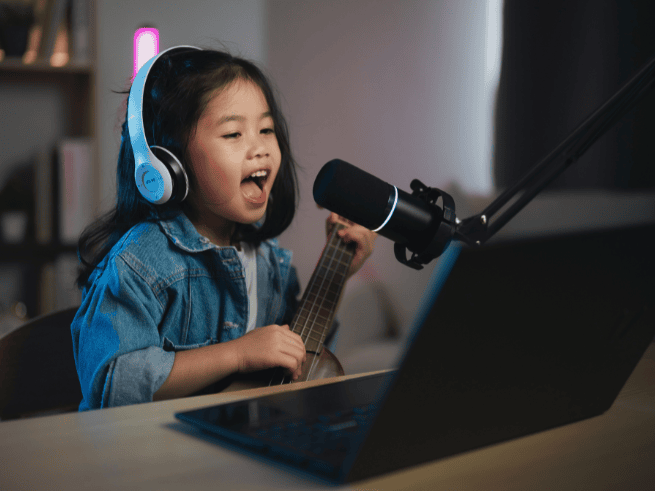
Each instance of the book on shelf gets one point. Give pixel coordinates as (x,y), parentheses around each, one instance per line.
(36,31)
(44,196)
(81,31)
(61,32)
(53,25)
(76,204)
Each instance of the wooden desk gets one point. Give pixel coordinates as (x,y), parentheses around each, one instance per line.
(145,447)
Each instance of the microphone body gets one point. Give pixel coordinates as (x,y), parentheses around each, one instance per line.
(355,194)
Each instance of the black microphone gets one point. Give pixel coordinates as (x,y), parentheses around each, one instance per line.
(413,221)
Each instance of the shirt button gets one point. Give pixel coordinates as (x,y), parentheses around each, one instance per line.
(281,261)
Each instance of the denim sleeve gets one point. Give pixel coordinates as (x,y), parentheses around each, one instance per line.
(118,349)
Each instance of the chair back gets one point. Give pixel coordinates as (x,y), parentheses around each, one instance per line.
(37,368)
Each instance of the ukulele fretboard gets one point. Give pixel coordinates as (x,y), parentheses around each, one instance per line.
(319,302)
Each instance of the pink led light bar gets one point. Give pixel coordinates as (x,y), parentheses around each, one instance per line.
(146,45)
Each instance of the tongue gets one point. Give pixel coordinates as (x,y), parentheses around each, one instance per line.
(252,192)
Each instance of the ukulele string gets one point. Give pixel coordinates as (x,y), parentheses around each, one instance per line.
(325,262)
(332,244)
(335,245)
(341,248)
(302,306)
(307,306)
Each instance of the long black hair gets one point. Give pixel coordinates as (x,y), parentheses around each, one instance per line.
(176,93)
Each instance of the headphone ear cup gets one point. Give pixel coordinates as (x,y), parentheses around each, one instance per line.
(177,172)
(159,175)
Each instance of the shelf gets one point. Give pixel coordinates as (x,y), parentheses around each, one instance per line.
(16,65)
(36,252)
(62,99)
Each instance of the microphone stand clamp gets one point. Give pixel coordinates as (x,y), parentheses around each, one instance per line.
(444,232)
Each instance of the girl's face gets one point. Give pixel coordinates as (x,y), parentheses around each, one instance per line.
(235,158)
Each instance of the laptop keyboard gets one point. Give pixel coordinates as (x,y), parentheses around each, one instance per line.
(319,443)
(319,430)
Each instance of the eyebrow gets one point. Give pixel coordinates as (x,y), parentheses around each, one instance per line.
(236,117)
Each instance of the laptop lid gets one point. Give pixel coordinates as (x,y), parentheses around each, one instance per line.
(525,336)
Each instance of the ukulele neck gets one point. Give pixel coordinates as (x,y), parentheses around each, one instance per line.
(318,305)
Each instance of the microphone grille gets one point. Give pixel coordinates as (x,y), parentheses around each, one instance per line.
(352,193)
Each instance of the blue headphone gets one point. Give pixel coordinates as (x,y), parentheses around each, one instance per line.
(159,175)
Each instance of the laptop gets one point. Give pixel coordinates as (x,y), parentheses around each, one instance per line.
(510,339)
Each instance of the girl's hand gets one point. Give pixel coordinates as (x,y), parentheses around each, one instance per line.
(364,238)
(268,347)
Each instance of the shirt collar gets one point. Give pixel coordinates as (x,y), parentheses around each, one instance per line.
(184,235)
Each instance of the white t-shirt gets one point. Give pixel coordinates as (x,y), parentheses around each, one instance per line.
(248,257)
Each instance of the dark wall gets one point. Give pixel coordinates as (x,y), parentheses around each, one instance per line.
(561,60)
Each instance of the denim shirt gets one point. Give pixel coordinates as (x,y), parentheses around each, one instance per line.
(161,289)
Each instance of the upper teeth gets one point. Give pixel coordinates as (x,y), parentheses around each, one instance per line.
(259,173)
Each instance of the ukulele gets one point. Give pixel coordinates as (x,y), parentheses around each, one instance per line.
(312,320)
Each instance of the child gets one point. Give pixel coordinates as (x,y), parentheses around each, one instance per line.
(177,296)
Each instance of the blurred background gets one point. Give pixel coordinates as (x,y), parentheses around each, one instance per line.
(465,95)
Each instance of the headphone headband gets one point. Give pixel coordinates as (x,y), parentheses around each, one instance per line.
(155,179)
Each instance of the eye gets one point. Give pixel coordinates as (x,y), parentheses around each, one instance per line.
(268,131)
(231,136)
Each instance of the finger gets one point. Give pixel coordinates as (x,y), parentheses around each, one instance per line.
(298,338)
(331,221)
(293,345)
(363,250)
(345,221)
(294,367)
(299,370)
(289,364)
(290,351)
(285,341)
(295,338)
(294,351)
(334,218)
(361,236)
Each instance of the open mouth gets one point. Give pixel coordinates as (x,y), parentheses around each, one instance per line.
(259,178)
(252,186)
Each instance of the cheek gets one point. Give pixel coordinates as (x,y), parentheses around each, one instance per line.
(214,182)
(277,156)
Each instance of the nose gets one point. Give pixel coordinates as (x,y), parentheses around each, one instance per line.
(257,148)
